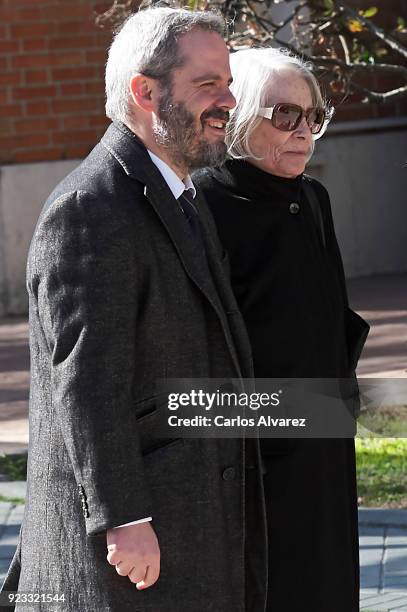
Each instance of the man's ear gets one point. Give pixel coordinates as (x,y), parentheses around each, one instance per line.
(144,92)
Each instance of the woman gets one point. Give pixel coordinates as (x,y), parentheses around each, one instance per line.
(287,274)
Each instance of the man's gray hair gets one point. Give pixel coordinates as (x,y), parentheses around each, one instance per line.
(147,43)
(253,71)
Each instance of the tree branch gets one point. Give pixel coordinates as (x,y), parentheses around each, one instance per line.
(390,68)
(374,96)
(369,25)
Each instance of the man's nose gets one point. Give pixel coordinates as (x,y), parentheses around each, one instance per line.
(227,100)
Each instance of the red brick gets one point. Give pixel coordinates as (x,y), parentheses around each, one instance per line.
(76,123)
(24,3)
(3,96)
(74,137)
(67,11)
(37,125)
(36,76)
(67,59)
(96,88)
(71,89)
(103,38)
(24,141)
(74,74)
(28,93)
(10,78)
(35,44)
(31,61)
(9,46)
(33,30)
(33,140)
(8,13)
(7,157)
(3,63)
(72,42)
(102,7)
(353,112)
(98,121)
(47,59)
(72,105)
(40,109)
(6,126)
(96,57)
(29,14)
(80,151)
(11,110)
(75,27)
(39,155)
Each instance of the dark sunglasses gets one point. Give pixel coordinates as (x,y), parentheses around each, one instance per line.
(287,117)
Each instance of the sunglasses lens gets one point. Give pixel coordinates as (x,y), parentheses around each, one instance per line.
(286,117)
(316,118)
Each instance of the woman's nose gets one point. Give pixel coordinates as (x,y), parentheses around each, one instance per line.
(303,129)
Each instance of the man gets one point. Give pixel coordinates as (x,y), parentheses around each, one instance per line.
(126,286)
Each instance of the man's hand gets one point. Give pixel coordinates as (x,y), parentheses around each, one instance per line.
(135,552)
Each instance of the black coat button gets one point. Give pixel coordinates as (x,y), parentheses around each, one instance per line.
(294,208)
(229,473)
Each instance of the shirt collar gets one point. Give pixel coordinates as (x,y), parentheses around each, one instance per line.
(173,181)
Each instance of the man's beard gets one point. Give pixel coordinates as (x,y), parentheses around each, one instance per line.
(176,130)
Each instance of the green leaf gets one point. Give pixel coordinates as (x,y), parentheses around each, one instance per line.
(370,12)
(401,24)
(328,8)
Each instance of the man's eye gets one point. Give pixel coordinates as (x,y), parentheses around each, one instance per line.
(207,84)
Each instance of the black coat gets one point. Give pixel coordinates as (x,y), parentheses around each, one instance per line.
(291,290)
(118,299)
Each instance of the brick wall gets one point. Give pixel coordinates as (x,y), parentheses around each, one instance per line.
(52,59)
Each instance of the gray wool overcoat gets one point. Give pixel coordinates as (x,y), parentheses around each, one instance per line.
(118,299)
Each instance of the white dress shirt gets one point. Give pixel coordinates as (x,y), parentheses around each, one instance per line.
(177,187)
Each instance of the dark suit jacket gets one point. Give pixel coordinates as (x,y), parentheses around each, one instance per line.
(118,299)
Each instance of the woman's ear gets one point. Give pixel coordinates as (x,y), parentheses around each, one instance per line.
(143,92)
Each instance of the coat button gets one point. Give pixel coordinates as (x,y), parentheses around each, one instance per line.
(294,208)
(229,473)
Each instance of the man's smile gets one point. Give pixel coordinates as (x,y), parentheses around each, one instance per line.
(215,121)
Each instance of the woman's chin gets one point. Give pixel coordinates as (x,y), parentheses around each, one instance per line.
(292,170)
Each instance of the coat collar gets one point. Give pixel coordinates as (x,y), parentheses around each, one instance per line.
(133,156)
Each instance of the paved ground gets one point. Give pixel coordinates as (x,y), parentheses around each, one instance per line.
(382,301)
(383,558)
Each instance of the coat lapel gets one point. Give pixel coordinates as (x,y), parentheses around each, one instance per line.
(221,278)
(133,156)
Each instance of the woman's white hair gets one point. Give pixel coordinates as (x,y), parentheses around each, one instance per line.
(253,71)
